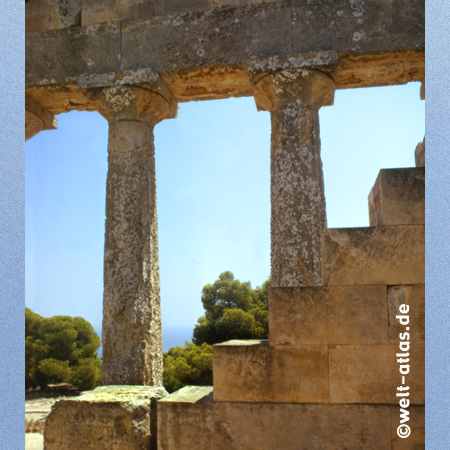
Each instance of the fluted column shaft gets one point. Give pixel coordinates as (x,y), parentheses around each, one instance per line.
(297,189)
(132,339)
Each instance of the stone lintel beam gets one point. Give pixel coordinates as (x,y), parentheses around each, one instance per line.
(132,339)
(37,118)
(230,36)
(293,98)
(62,94)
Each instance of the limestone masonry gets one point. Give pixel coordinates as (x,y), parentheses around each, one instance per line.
(327,377)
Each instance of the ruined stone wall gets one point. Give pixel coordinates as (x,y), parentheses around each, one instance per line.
(328,374)
(338,361)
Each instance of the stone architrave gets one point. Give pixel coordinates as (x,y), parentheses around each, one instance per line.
(132,339)
(293,98)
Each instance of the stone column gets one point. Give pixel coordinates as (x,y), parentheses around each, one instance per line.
(132,340)
(293,98)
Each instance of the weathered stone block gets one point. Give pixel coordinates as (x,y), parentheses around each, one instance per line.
(231,3)
(110,417)
(374,255)
(370,374)
(72,52)
(170,42)
(41,15)
(253,371)
(419,153)
(398,197)
(416,440)
(189,420)
(328,315)
(95,12)
(414,297)
(357,26)
(218,37)
(182,6)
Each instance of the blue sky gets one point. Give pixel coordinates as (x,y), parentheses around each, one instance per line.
(213,189)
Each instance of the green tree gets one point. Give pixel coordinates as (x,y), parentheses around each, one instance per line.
(35,351)
(188,365)
(260,307)
(61,349)
(56,371)
(233,310)
(226,293)
(87,374)
(237,324)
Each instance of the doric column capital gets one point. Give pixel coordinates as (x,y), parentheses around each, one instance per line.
(286,87)
(137,95)
(37,118)
(132,102)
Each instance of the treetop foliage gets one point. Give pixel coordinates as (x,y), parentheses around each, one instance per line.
(61,349)
(226,293)
(233,310)
(188,365)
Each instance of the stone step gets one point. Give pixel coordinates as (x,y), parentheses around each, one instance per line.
(190,420)
(389,255)
(109,417)
(335,315)
(253,371)
(398,197)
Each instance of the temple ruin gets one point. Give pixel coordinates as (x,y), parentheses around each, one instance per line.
(328,376)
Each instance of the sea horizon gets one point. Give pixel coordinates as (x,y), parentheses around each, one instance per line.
(173,336)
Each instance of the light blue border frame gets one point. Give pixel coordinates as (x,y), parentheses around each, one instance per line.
(12,224)
(437,256)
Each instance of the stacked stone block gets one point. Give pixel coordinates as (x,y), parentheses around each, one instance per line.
(337,343)
(397,197)
(110,417)
(189,419)
(328,375)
